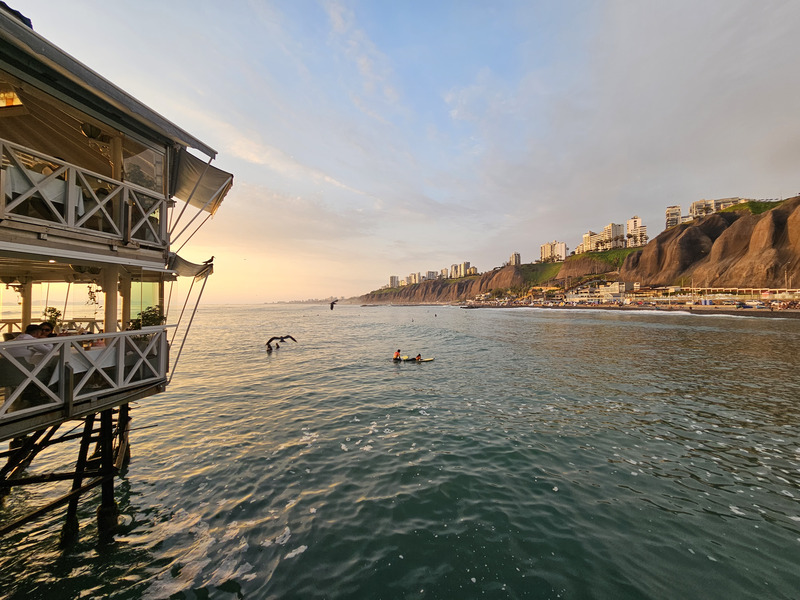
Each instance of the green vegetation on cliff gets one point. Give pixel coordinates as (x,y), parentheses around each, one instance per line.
(754,207)
(539,273)
(615,257)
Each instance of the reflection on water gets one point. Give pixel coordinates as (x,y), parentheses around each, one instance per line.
(543,454)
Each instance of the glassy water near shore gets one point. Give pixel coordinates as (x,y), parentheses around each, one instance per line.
(543,454)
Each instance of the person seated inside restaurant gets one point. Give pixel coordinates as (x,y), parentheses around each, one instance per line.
(31,353)
(47,329)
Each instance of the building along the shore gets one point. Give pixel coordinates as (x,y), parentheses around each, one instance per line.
(96,190)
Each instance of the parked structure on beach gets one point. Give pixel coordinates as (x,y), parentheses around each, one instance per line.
(95,187)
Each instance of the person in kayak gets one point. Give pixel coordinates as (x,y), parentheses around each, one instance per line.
(419,357)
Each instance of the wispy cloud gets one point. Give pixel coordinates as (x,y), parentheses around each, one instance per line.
(371,64)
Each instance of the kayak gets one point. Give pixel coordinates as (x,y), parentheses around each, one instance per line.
(408,359)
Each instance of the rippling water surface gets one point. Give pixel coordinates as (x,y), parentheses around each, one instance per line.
(543,454)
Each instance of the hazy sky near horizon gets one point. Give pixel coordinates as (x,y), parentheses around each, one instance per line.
(372,138)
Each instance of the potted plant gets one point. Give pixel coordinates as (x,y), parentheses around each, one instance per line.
(150,316)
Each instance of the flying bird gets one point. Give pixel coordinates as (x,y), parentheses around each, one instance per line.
(332,303)
(280,338)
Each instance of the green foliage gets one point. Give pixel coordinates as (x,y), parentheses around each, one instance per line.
(538,273)
(754,207)
(152,315)
(614,257)
(52,315)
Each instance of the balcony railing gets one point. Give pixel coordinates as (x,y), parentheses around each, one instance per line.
(40,189)
(77,368)
(10,328)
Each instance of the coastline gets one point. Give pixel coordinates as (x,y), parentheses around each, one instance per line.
(703,310)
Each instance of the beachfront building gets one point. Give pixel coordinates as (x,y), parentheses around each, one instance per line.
(394,281)
(515,260)
(636,232)
(613,291)
(553,251)
(444,273)
(431,275)
(96,189)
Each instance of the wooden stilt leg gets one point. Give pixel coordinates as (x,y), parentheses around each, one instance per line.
(107,511)
(123,443)
(69,532)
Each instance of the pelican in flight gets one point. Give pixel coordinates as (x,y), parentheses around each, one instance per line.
(332,303)
(280,338)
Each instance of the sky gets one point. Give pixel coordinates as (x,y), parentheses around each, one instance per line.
(371,138)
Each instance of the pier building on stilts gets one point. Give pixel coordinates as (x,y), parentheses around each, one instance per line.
(97,191)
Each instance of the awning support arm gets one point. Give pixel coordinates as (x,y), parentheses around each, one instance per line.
(188,327)
(192,235)
(194,189)
(210,201)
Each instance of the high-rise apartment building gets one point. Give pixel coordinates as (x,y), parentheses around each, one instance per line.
(553,251)
(673,215)
(394,281)
(636,232)
(515,260)
(702,208)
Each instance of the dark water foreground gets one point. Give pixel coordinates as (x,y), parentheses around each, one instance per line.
(543,454)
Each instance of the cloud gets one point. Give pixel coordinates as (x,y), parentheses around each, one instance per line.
(371,64)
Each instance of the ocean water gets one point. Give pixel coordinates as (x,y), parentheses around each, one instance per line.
(542,454)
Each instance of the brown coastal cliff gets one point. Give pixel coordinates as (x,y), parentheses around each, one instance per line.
(448,291)
(728,249)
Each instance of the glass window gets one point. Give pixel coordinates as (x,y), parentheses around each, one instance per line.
(143,166)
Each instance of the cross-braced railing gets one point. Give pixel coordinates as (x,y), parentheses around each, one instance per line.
(46,373)
(41,189)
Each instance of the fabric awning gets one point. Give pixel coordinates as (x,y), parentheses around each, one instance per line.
(184,268)
(199,184)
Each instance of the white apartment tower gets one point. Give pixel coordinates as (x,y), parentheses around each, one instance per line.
(553,251)
(673,215)
(613,236)
(515,260)
(637,233)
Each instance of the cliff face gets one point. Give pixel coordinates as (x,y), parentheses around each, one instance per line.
(583,264)
(730,249)
(445,291)
(724,250)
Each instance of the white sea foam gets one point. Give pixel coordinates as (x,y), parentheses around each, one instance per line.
(296,552)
